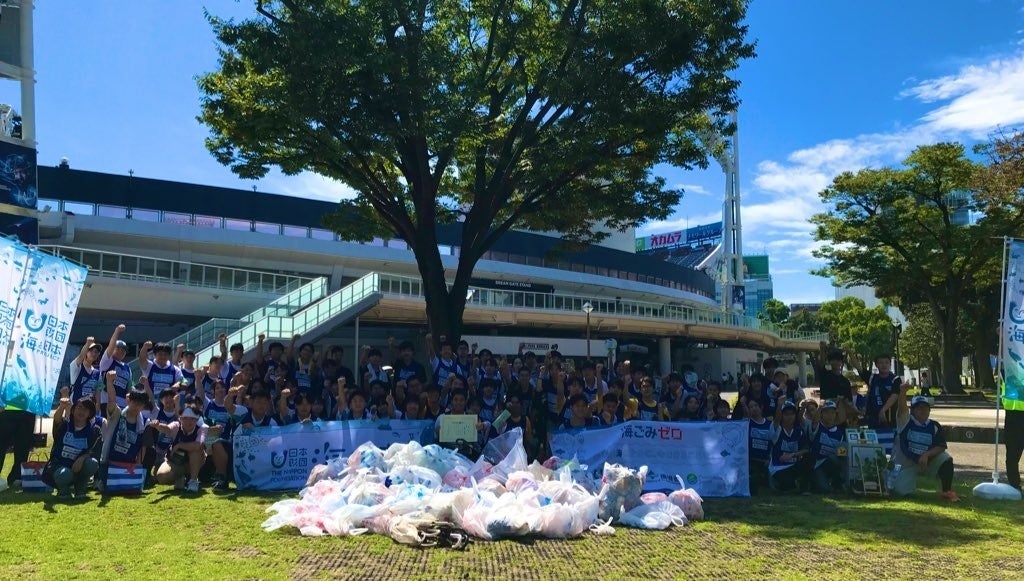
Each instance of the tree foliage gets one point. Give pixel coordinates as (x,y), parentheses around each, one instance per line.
(774,311)
(862,332)
(497,114)
(904,232)
(921,341)
(805,321)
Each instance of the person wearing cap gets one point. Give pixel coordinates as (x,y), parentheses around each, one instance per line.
(160,372)
(827,436)
(185,359)
(789,467)
(186,455)
(123,437)
(84,371)
(920,447)
(114,360)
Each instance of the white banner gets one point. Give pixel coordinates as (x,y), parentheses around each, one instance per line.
(711,457)
(1013,329)
(281,458)
(13,261)
(42,327)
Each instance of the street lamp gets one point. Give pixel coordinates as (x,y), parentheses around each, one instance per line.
(588,308)
(897,330)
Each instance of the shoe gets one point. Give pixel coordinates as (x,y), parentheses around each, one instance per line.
(81,490)
(150,482)
(179,484)
(220,485)
(63,494)
(949,496)
(192,486)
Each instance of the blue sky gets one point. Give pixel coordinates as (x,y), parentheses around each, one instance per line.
(835,86)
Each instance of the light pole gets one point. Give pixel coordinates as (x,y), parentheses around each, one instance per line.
(897,330)
(588,308)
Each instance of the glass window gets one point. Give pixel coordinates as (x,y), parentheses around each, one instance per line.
(377,242)
(43,203)
(176,218)
(397,243)
(296,231)
(111,211)
(534,261)
(499,256)
(321,234)
(130,264)
(444,250)
(577,268)
(209,221)
(516,259)
(590,270)
(266,228)
(601,271)
(240,225)
(79,208)
(145,215)
(631,276)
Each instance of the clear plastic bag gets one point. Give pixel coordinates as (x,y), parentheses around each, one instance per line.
(621,490)
(656,516)
(688,500)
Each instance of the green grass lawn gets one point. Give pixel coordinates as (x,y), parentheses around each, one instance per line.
(162,535)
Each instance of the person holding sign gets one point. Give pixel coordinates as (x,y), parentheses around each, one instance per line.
(920,447)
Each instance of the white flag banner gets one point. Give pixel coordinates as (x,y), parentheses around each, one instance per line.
(46,311)
(13,262)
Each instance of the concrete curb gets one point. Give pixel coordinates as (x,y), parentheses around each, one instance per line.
(970,434)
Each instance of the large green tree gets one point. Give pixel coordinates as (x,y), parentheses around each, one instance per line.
(921,341)
(494,114)
(774,311)
(862,332)
(921,233)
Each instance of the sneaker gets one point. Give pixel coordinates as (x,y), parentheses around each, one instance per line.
(64,494)
(192,486)
(220,485)
(949,496)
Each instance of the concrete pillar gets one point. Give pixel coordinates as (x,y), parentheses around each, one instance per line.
(801,362)
(28,80)
(665,355)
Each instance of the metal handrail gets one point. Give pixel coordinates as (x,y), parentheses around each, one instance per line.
(565,303)
(159,270)
(303,321)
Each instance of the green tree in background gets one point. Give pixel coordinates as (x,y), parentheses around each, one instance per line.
(920,343)
(774,311)
(927,232)
(492,114)
(862,332)
(805,321)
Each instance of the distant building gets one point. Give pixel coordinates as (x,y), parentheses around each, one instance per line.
(812,308)
(757,279)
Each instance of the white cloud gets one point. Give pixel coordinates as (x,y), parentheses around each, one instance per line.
(310,186)
(693,189)
(968,104)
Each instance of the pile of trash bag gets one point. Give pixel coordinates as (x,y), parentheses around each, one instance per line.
(410,492)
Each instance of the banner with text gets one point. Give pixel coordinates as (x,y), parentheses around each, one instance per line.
(14,259)
(281,458)
(711,457)
(46,311)
(1013,329)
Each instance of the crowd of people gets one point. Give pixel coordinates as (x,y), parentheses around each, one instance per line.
(177,419)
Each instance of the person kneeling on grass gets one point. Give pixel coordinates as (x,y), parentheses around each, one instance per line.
(124,441)
(920,447)
(186,455)
(73,438)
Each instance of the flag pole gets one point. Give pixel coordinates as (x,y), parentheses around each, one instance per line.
(1000,364)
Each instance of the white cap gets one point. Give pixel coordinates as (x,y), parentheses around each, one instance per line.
(189,413)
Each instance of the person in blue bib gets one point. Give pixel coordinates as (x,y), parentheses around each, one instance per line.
(166,417)
(442,364)
(827,438)
(84,372)
(123,439)
(113,359)
(224,416)
(789,467)
(581,416)
(760,438)
(186,362)
(74,434)
(883,388)
(186,454)
(920,448)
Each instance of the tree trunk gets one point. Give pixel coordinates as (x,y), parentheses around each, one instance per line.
(951,360)
(984,347)
(935,369)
